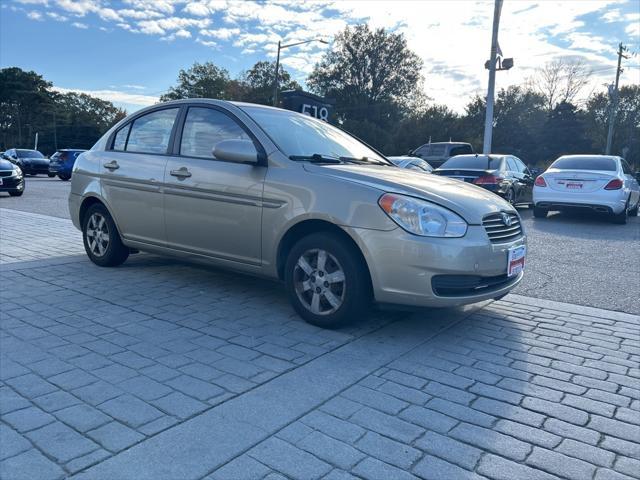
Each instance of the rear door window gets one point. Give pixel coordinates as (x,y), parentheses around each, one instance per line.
(151,132)
(511,165)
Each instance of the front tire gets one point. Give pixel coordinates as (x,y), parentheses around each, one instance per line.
(539,212)
(51,175)
(17,193)
(64,177)
(634,211)
(510,196)
(327,281)
(101,238)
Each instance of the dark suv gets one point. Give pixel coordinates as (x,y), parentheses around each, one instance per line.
(62,161)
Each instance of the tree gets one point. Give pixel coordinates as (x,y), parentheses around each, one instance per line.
(257,82)
(565,132)
(561,80)
(626,140)
(29,105)
(373,76)
(201,80)
(437,122)
(26,104)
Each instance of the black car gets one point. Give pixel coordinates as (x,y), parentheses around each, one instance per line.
(505,175)
(31,162)
(11,179)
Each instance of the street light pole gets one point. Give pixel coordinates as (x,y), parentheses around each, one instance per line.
(277,72)
(488,122)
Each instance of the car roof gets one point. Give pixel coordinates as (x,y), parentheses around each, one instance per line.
(589,156)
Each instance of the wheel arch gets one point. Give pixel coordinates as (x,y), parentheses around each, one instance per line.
(308,227)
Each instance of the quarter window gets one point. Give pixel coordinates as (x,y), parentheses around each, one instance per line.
(151,132)
(511,165)
(204,128)
(120,142)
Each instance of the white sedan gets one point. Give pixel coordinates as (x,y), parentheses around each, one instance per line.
(598,182)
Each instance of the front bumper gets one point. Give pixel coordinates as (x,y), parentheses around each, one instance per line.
(35,169)
(609,201)
(406,268)
(12,184)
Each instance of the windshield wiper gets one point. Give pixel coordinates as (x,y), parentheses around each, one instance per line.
(315,158)
(363,160)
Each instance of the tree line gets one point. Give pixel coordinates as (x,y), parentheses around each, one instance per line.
(29,104)
(379,93)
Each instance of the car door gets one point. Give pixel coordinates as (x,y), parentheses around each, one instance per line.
(527,181)
(213,207)
(512,174)
(132,171)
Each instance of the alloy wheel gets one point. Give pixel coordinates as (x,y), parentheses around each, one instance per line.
(97,234)
(319,282)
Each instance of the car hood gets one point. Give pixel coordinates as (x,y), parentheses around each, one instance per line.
(469,201)
(5,164)
(33,160)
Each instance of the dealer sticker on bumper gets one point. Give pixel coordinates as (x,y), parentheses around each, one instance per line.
(515,261)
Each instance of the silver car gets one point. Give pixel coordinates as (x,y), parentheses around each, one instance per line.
(600,183)
(411,163)
(282,195)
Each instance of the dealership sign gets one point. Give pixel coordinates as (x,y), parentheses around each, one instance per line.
(307,103)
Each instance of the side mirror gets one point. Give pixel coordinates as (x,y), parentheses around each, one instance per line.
(238,151)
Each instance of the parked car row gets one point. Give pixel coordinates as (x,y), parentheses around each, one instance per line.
(604,184)
(33,162)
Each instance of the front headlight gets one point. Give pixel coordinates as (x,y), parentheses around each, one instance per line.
(421,217)
(17,171)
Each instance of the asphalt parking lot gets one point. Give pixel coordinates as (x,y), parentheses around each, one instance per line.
(164,370)
(576,258)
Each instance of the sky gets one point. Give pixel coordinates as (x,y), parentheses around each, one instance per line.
(130,51)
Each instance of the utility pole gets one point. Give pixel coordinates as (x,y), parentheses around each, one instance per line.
(614,99)
(488,121)
(275,82)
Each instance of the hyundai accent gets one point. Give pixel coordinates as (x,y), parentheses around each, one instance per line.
(280,194)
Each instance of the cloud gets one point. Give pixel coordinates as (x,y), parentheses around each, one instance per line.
(451,37)
(114,96)
(34,15)
(80,25)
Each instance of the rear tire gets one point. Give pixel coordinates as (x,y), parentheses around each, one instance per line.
(620,218)
(327,281)
(539,212)
(101,238)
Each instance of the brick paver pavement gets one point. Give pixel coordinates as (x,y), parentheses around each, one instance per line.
(161,369)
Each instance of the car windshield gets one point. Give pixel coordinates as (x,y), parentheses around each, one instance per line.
(473,161)
(29,154)
(301,136)
(585,163)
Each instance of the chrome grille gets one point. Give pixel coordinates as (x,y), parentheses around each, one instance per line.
(498,231)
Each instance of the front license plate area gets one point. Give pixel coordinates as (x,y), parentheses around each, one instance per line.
(515,260)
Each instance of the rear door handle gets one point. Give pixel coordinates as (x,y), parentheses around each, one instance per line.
(181,173)
(113,165)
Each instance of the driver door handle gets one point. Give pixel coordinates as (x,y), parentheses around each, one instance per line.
(113,165)
(181,173)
